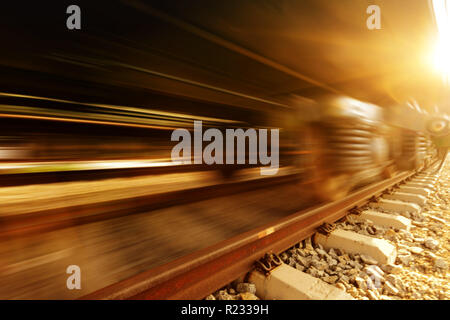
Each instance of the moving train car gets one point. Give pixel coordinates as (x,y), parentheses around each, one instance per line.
(119,86)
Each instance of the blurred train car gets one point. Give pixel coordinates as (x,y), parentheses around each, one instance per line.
(352,143)
(116,90)
(337,143)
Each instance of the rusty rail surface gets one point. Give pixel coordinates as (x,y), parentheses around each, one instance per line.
(196,275)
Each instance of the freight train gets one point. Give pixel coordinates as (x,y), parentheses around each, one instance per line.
(117,88)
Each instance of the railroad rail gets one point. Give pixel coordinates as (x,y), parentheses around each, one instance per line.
(196,275)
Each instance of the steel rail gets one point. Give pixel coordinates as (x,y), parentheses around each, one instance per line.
(196,275)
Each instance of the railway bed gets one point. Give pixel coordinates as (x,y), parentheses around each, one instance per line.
(198,274)
(419,269)
(119,259)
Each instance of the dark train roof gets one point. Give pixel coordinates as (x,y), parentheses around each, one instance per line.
(234,54)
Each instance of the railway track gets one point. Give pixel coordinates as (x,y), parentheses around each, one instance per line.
(113,243)
(144,227)
(217,246)
(196,275)
(394,247)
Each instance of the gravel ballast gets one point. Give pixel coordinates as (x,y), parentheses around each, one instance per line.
(420,271)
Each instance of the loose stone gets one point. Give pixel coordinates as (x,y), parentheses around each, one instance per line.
(298,266)
(374,274)
(390,289)
(247,296)
(333,253)
(441,263)
(405,259)
(372,295)
(361,283)
(431,243)
(246,287)
(319,265)
(416,250)
(330,279)
(223,295)
(321,252)
(391,268)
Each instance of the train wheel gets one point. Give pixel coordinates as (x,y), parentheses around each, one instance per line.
(321,183)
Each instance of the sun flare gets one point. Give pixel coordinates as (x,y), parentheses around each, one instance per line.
(441,53)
